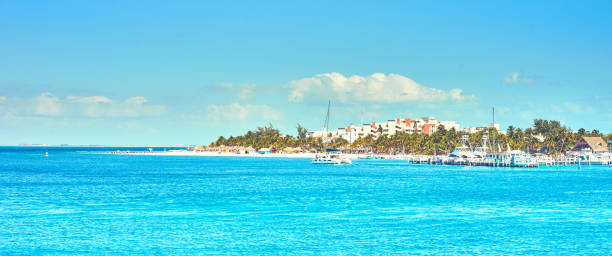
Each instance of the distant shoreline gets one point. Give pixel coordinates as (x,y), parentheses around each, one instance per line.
(216,154)
(93,146)
(230,154)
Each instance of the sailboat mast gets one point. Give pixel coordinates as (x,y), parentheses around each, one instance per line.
(327,118)
(493,124)
(326,124)
(493,117)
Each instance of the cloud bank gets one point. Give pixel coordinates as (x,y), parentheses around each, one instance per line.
(238,112)
(579,109)
(48,105)
(376,88)
(243,91)
(516,78)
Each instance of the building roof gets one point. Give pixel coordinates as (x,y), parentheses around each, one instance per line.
(595,143)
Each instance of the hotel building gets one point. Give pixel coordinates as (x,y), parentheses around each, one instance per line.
(425,125)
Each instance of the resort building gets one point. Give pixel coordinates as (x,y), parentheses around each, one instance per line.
(481,128)
(425,125)
(592,144)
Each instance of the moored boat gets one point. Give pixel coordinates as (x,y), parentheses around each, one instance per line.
(462,151)
(331,159)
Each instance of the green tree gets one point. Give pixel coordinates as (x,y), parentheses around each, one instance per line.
(301,131)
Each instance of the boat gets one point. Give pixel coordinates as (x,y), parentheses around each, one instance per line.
(518,158)
(462,151)
(481,152)
(329,158)
(492,159)
(372,156)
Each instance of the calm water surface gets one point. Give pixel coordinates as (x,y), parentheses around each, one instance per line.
(90,203)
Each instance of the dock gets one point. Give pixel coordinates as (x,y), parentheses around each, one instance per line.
(433,160)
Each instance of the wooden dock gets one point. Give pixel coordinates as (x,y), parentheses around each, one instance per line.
(507,163)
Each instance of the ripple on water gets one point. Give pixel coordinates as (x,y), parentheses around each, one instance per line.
(108,204)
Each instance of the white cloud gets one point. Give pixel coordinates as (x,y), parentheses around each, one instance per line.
(516,77)
(456,95)
(138,100)
(578,109)
(244,91)
(378,87)
(2,99)
(238,112)
(90,99)
(48,105)
(556,108)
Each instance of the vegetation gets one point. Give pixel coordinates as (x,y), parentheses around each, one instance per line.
(301,131)
(269,137)
(545,136)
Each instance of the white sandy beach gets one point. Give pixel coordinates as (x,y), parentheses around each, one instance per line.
(230,154)
(194,153)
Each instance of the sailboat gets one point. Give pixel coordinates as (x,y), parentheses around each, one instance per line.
(331,156)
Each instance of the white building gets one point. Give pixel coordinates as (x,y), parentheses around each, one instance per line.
(482,128)
(425,125)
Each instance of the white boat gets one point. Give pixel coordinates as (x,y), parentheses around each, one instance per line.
(462,151)
(491,158)
(331,159)
(372,156)
(481,152)
(518,158)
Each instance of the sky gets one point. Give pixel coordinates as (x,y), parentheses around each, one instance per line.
(187,72)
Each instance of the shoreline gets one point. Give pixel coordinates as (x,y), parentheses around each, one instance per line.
(412,159)
(88,146)
(229,154)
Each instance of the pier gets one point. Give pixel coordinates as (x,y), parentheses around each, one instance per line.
(433,160)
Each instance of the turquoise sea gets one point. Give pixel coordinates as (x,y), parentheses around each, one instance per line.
(91,203)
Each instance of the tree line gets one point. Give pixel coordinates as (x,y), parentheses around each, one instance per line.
(545,136)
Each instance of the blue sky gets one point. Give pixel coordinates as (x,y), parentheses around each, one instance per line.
(160,73)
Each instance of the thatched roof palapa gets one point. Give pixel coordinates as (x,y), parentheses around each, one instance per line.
(596,144)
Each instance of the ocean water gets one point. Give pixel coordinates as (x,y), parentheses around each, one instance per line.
(91,203)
